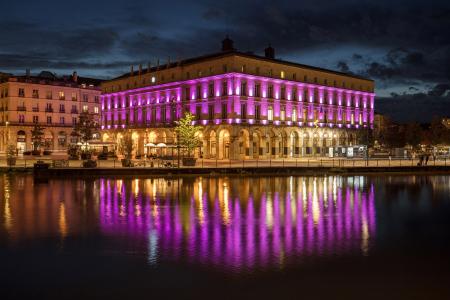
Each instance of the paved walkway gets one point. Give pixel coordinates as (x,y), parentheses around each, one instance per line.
(211,163)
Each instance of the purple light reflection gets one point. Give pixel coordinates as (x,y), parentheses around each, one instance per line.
(223,226)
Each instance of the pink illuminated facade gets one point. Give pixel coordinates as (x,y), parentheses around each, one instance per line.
(250,106)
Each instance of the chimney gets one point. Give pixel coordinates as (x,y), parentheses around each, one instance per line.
(74,76)
(227,44)
(131,70)
(28,73)
(269,52)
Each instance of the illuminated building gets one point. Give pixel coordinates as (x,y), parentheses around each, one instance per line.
(250,106)
(50,101)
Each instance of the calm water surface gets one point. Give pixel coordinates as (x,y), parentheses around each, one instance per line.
(352,237)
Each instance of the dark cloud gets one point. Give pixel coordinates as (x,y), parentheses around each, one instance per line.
(343,67)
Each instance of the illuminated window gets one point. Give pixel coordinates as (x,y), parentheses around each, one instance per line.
(294,115)
(21,92)
(282,74)
(270,113)
(61,95)
(352,119)
(74,96)
(85,108)
(96,109)
(283,113)
(153,79)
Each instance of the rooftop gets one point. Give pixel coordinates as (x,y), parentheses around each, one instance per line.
(228,50)
(49,78)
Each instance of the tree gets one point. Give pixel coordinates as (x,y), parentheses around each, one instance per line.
(37,134)
(85,127)
(188,133)
(126,145)
(439,134)
(413,134)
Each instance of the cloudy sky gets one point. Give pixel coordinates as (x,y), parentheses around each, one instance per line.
(403,45)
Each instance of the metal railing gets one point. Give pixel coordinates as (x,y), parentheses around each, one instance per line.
(26,162)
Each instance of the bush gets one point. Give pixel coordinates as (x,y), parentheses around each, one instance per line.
(36,152)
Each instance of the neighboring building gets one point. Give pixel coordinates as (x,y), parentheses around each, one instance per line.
(250,106)
(51,101)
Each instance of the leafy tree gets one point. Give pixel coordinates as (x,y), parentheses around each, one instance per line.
(85,127)
(37,134)
(188,133)
(413,134)
(126,145)
(439,134)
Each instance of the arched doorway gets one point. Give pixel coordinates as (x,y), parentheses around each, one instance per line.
(293,144)
(62,139)
(224,144)
(212,144)
(244,143)
(21,141)
(256,145)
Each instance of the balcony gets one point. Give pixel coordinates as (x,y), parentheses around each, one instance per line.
(35,109)
(74,111)
(49,109)
(21,108)
(62,110)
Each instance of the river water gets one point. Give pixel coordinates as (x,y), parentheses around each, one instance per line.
(208,237)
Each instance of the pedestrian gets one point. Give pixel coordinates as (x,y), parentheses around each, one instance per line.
(427,157)
(420,160)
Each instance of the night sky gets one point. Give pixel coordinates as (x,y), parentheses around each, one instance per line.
(403,45)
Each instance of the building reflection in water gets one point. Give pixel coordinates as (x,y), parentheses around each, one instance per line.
(241,223)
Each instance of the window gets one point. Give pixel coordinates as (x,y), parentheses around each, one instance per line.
(95,109)
(211,90)
(96,99)
(74,109)
(211,111)
(294,76)
(35,93)
(163,114)
(224,110)
(61,120)
(62,108)
(224,68)
(244,111)
(74,96)
(49,95)
(244,88)
(257,71)
(85,108)
(257,112)
(48,107)
(294,94)
(74,120)
(199,73)
(198,92)
(35,119)
(270,91)
(85,98)
(187,92)
(283,92)
(61,96)
(283,113)
(224,88)
(257,90)
(270,113)
(198,112)
(21,92)
(282,74)
(21,118)
(49,120)
(294,115)
(243,68)
(153,79)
